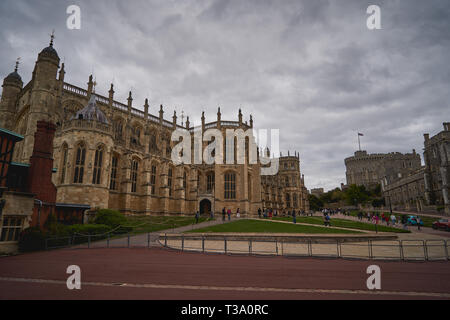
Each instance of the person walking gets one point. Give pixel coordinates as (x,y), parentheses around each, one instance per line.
(259,213)
(238,214)
(294,218)
(197,216)
(418,221)
(229,214)
(393,220)
(404,222)
(223,214)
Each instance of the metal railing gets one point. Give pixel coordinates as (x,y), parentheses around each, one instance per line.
(402,250)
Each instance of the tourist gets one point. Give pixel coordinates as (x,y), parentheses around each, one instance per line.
(270,213)
(418,221)
(211,214)
(229,214)
(368,216)
(294,218)
(404,222)
(223,214)
(393,220)
(197,215)
(238,214)
(327,220)
(259,213)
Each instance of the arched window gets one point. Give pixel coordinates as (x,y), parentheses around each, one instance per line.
(65,150)
(295,205)
(249,187)
(114,164)
(153,179)
(117,127)
(80,158)
(210,181)
(98,162)
(288,200)
(134,175)
(286,180)
(152,147)
(230,185)
(169,181)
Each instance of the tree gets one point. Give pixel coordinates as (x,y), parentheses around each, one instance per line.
(355,195)
(315,203)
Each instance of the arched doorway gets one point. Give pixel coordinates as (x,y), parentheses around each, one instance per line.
(205,206)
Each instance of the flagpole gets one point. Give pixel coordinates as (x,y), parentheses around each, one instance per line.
(359,142)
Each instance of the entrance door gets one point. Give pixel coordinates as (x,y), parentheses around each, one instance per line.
(205,206)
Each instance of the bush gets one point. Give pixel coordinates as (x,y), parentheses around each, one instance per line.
(113,219)
(89,229)
(31,239)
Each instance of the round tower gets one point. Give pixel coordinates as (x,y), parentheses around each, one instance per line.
(12,86)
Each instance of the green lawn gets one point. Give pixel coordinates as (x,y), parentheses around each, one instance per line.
(269,227)
(145,224)
(344,224)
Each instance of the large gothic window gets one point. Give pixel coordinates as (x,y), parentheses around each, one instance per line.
(79,164)
(118,127)
(295,205)
(210,182)
(152,147)
(230,185)
(114,164)
(169,181)
(134,175)
(153,179)
(65,150)
(288,200)
(98,162)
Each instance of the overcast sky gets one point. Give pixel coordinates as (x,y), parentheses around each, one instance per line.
(310,68)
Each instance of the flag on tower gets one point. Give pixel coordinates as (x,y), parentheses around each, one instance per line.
(360,134)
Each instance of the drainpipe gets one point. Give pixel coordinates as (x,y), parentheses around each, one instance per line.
(39,213)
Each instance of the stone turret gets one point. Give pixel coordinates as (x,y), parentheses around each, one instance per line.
(12,85)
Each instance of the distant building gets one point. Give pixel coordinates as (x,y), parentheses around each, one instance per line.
(437,172)
(317,192)
(369,169)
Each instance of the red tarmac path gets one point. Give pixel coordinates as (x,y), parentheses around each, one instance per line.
(158,273)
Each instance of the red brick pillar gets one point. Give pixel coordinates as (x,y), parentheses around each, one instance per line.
(40,172)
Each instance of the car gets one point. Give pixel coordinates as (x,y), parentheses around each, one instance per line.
(442,224)
(412,221)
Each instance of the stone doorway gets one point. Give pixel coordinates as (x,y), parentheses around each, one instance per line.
(205,207)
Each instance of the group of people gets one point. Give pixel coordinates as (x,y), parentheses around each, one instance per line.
(391,219)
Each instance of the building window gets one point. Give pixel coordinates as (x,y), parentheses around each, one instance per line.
(210,182)
(64,163)
(79,164)
(113,181)
(286,180)
(134,174)
(249,187)
(152,144)
(230,186)
(295,200)
(12,226)
(169,181)
(98,161)
(288,200)
(117,127)
(153,180)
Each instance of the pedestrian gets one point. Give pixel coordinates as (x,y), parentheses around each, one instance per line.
(238,214)
(404,222)
(270,214)
(197,216)
(223,214)
(327,220)
(294,218)
(211,215)
(393,220)
(229,214)
(419,221)
(259,213)
(368,216)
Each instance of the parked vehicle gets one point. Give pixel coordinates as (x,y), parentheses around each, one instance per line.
(442,224)
(412,221)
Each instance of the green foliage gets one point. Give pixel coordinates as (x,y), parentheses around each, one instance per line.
(378,202)
(89,229)
(315,203)
(355,195)
(110,218)
(31,239)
